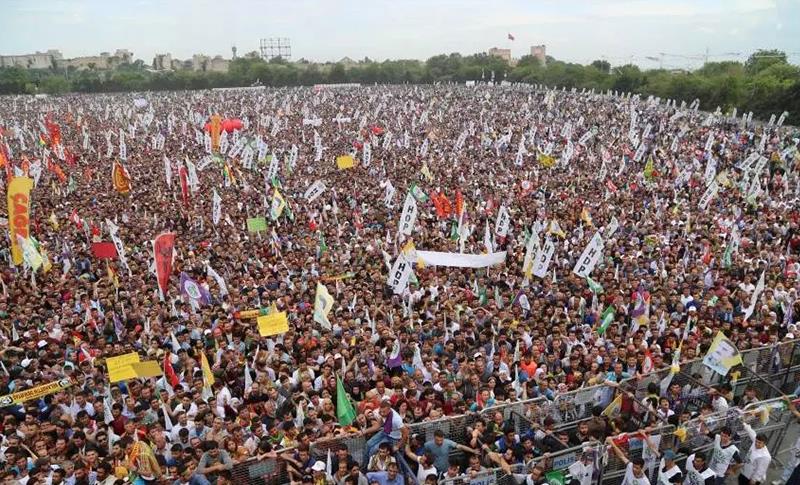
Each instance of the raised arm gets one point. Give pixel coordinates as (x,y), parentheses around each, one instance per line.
(410,454)
(617,451)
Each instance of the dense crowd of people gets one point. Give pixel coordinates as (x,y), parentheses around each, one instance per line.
(696,212)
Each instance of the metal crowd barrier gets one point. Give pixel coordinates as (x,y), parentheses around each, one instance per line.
(777,368)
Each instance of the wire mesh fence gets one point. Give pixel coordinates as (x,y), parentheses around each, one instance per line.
(767,372)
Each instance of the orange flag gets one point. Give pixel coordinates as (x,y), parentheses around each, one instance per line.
(121,178)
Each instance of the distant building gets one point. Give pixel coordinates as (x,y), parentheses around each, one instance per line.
(54,58)
(102,62)
(162,62)
(39,60)
(504,54)
(202,62)
(539,52)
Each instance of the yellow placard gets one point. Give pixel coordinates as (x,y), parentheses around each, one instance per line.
(19,202)
(344,162)
(35,392)
(273,324)
(148,368)
(119,367)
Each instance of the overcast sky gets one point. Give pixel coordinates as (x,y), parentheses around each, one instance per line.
(326,30)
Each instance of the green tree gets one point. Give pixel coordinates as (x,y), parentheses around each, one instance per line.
(762,59)
(55,85)
(602,66)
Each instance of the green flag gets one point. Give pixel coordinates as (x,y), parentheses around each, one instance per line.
(727,258)
(345,412)
(594,286)
(555,477)
(256,224)
(497,298)
(605,319)
(322,248)
(418,193)
(454,231)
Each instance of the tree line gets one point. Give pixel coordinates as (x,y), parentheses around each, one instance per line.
(765,84)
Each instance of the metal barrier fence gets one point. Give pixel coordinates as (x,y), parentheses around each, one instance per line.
(777,368)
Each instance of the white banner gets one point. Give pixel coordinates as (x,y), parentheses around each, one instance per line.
(367,155)
(590,256)
(168,171)
(194,182)
(711,191)
(409,216)
(611,228)
(711,170)
(503,222)
(399,274)
(543,257)
(460,260)
(316,189)
(216,212)
(273,167)
(754,297)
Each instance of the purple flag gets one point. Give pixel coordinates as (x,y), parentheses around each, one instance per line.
(193,290)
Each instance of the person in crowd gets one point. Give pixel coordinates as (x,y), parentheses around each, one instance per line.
(204,229)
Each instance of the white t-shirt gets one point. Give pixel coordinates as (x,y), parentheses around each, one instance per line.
(721,457)
(582,472)
(423,473)
(758,459)
(695,476)
(397,424)
(630,478)
(665,476)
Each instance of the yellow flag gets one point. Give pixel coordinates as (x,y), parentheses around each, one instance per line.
(46,261)
(273,324)
(586,217)
(426,172)
(344,162)
(208,376)
(53,220)
(649,169)
(546,160)
(614,408)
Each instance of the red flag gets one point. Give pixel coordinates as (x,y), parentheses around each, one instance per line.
(169,372)
(94,230)
(438,203)
(53,130)
(647,365)
(163,248)
(75,219)
(104,250)
(459,203)
(69,157)
(184,185)
(707,254)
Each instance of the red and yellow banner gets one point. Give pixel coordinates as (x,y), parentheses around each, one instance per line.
(121,179)
(19,206)
(215,131)
(163,247)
